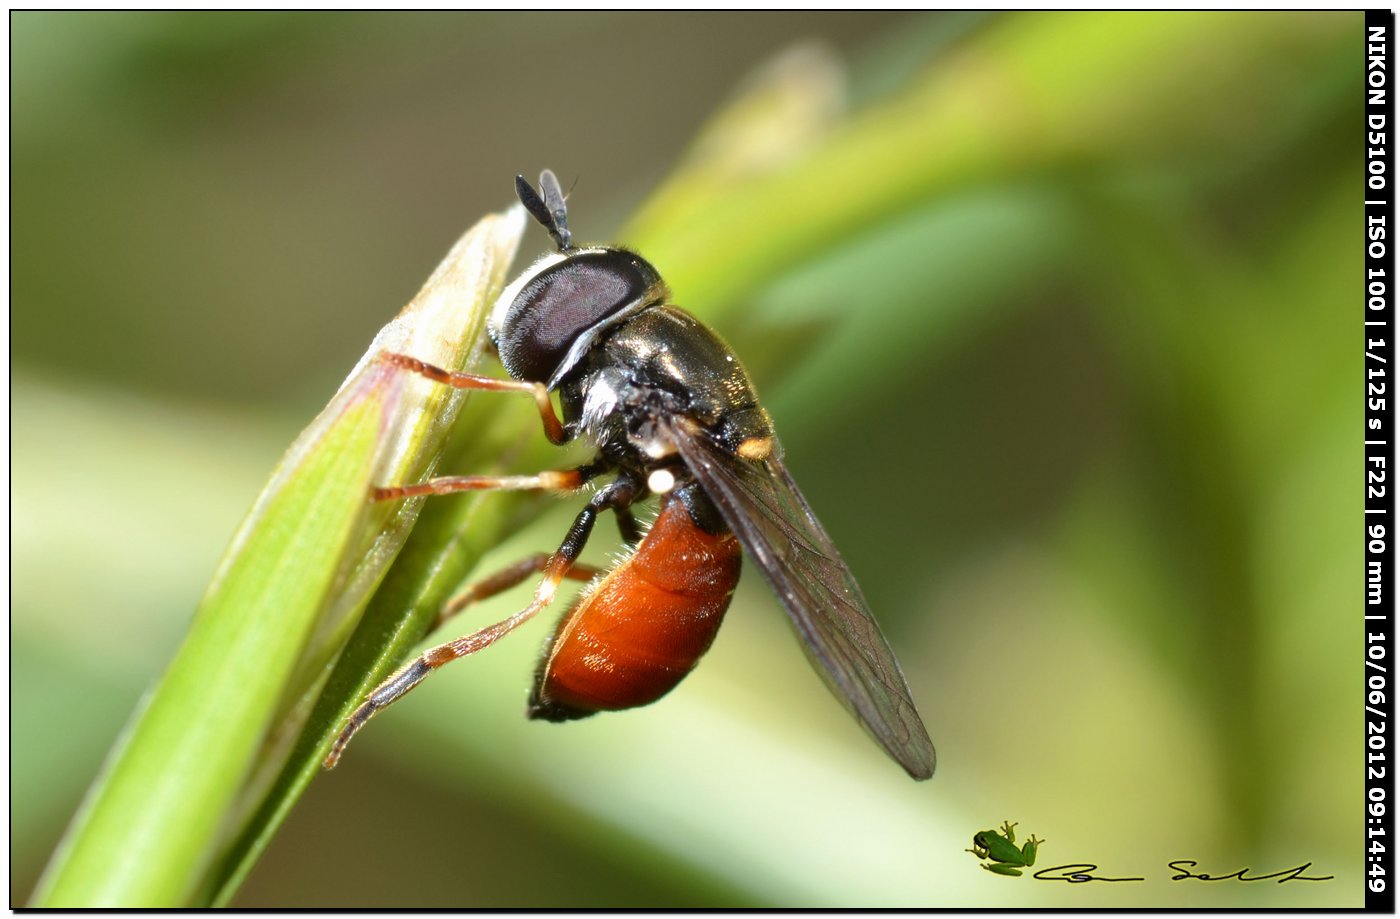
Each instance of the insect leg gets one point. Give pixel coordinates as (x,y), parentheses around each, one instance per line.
(553,427)
(619,494)
(504,580)
(561,480)
(627,526)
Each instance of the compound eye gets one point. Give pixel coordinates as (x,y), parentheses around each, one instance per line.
(565,302)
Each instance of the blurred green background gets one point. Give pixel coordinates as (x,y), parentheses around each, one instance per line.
(1070,381)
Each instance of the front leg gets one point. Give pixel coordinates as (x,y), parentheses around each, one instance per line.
(553,427)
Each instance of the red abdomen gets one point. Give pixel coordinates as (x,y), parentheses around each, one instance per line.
(644,626)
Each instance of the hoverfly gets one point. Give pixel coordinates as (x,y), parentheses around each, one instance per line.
(672,414)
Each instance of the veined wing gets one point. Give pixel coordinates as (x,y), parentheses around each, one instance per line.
(764,508)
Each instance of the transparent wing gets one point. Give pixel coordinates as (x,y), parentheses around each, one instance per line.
(762,505)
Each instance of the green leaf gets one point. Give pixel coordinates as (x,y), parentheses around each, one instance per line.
(200,754)
(142,834)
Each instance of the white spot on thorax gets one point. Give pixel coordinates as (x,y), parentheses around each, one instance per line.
(601,401)
(661,481)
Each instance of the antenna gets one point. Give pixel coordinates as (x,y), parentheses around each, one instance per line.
(550,210)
